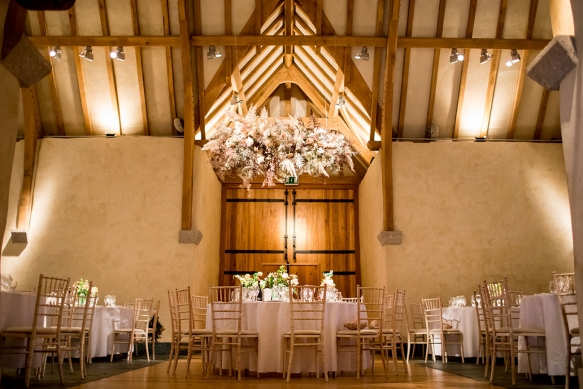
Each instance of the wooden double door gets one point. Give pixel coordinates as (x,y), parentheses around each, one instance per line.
(307,230)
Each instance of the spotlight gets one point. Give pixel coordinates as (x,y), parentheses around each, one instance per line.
(87,54)
(363,55)
(485,57)
(514,57)
(455,56)
(118,54)
(56,53)
(213,53)
(341,101)
(235,99)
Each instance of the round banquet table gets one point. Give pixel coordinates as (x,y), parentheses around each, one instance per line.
(272,319)
(544,311)
(465,320)
(103,325)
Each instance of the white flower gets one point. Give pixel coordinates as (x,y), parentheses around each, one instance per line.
(294,282)
(260,158)
(249,141)
(94,291)
(285,276)
(320,151)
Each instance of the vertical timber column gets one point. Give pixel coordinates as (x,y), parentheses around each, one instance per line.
(388,235)
(9,107)
(186,235)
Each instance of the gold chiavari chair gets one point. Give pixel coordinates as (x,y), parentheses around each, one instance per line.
(417,334)
(138,333)
(50,300)
(370,311)
(307,315)
(482,331)
(504,334)
(227,308)
(152,330)
(435,326)
(565,284)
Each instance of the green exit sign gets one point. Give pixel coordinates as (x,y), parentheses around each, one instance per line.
(290,181)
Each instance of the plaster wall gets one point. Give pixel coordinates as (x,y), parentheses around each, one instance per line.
(109,210)
(468,212)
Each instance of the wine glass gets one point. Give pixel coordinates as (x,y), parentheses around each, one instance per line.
(552,287)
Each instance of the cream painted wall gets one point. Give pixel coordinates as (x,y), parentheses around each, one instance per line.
(109,210)
(468,212)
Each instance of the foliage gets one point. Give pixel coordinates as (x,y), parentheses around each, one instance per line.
(285,148)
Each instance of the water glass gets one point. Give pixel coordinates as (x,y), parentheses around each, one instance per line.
(552,287)
(109,300)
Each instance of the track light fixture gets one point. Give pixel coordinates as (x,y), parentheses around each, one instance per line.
(485,57)
(363,55)
(213,53)
(87,54)
(235,99)
(56,53)
(514,57)
(455,56)
(118,54)
(341,101)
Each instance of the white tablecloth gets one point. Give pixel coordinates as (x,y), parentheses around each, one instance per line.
(544,311)
(102,337)
(16,310)
(272,319)
(465,320)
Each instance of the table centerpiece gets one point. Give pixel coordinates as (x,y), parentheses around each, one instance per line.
(250,284)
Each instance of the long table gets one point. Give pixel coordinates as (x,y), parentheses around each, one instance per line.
(272,319)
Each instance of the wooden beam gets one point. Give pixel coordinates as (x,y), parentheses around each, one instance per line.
(435,69)
(541,114)
(169,65)
(292,40)
(237,85)
(473,43)
(289,18)
(287,98)
(258,23)
(350,17)
(495,63)
(140,68)
(188,160)
(31,135)
(464,76)
(200,69)
(80,76)
(522,71)
(562,22)
(387,133)
(405,78)
(51,78)
(109,65)
(270,85)
(377,71)
(338,88)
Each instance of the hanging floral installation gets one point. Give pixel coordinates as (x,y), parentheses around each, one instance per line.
(254,146)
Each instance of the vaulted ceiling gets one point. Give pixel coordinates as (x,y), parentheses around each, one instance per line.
(295,57)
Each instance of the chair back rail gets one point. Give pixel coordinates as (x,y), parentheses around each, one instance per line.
(305,312)
(199,307)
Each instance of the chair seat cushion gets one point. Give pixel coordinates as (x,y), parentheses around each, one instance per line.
(417,330)
(303,333)
(198,332)
(522,330)
(351,333)
(574,331)
(390,331)
(128,331)
(28,330)
(74,330)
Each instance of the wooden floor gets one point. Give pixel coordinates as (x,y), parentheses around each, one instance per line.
(155,376)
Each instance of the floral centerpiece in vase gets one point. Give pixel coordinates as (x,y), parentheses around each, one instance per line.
(82,287)
(282,281)
(250,284)
(328,282)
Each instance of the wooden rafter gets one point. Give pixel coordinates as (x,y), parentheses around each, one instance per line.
(473,43)
(289,21)
(200,70)
(387,133)
(31,134)
(541,114)
(258,23)
(522,71)
(376,73)
(405,78)
(80,77)
(435,69)
(312,76)
(464,76)
(169,67)
(51,79)
(495,63)
(237,86)
(140,68)
(287,95)
(109,65)
(188,159)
